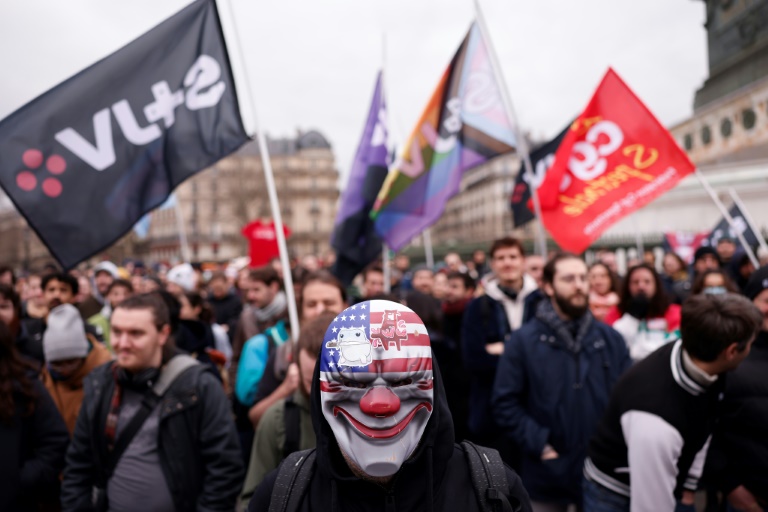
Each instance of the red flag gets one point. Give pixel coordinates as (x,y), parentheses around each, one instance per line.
(616,158)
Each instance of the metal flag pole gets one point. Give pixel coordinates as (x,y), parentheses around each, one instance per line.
(428,253)
(186,254)
(748,218)
(727,215)
(522,145)
(384,249)
(270,182)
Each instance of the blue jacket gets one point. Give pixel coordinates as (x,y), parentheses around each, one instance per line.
(485,322)
(545,393)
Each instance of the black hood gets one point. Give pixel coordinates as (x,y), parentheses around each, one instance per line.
(432,454)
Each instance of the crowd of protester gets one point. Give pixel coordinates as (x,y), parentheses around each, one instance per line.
(130,388)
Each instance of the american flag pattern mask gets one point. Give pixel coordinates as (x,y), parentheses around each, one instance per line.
(376,386)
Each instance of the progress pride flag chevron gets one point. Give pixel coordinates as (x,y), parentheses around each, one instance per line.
(616,158)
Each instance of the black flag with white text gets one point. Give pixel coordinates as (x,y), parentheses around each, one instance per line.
(85,160)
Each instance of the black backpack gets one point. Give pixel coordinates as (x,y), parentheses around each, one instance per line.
(488,474)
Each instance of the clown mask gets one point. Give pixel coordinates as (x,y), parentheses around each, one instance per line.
(376,386)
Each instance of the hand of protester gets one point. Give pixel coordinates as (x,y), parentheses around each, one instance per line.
(741,499)
(291,382)
(549,453)
(688,498)
(495,349)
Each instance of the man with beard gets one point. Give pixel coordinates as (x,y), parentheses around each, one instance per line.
(644,315)
(553,383)
(384,431)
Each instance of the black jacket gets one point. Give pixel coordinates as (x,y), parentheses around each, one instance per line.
(435,478)
(32,452)
(227,310)
(199,450)
(739,452)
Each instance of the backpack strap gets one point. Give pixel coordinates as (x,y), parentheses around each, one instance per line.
(292,419)
(293,478)
(170,372)
(489,478)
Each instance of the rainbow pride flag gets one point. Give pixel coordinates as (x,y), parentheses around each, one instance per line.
(463,125)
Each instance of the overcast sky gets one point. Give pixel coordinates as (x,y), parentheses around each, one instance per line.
(312,63)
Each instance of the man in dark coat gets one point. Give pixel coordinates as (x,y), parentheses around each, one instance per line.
(384,430)
(184,455)
(738,463)
(553,383)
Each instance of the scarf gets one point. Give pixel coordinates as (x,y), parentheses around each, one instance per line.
(271,310)
(570,332)
(455,308)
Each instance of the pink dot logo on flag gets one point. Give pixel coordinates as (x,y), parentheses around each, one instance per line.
(27,179)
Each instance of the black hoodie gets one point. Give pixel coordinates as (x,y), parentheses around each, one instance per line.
(437,464)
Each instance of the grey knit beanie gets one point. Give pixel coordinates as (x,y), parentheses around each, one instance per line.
(64,338)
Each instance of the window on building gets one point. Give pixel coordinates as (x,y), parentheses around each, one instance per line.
(706,135)
(688,141)
(726,128)
(748,118)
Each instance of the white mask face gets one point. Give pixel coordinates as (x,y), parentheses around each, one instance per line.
(376,386)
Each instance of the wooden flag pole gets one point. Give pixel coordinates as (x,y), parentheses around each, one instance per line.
(522,145)
(727,215)
(277,217)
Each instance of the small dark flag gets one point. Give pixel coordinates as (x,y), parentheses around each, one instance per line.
(541,159)
(84,161)
(724,230)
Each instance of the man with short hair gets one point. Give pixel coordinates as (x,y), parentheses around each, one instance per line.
(705,258)
(373,282)
(461,289)
(103,275)
(553,383)
(650,445)
(155,432)
(489,320)
(265,305)
(60,288)
(534,267)
(118,291)
(738,462)
(453,262)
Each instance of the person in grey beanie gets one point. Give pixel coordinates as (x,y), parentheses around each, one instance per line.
(70,355)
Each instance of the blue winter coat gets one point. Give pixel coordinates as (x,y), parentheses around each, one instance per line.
(485,322)
(547,394)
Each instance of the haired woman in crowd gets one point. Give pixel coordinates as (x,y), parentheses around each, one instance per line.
(33,437)
(713,282)
(603,290)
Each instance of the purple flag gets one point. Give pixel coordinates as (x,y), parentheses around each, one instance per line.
(354,236)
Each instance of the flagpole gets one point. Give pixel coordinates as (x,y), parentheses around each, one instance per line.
(277,218)
(428,253)
(727,216)
(638,239)
(385,268)
(748,218)
(522,146)
(186,255)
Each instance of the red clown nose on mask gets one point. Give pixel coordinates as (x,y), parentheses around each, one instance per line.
(376,387)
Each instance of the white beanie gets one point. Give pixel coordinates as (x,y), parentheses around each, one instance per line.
(64,337)
(184,276)
(106,266)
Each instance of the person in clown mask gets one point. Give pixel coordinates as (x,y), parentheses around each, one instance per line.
(385,437)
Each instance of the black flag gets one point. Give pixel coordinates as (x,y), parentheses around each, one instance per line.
(724,230)
(85,160)
(541,160)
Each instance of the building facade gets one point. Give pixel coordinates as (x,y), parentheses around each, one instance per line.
(217,203)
